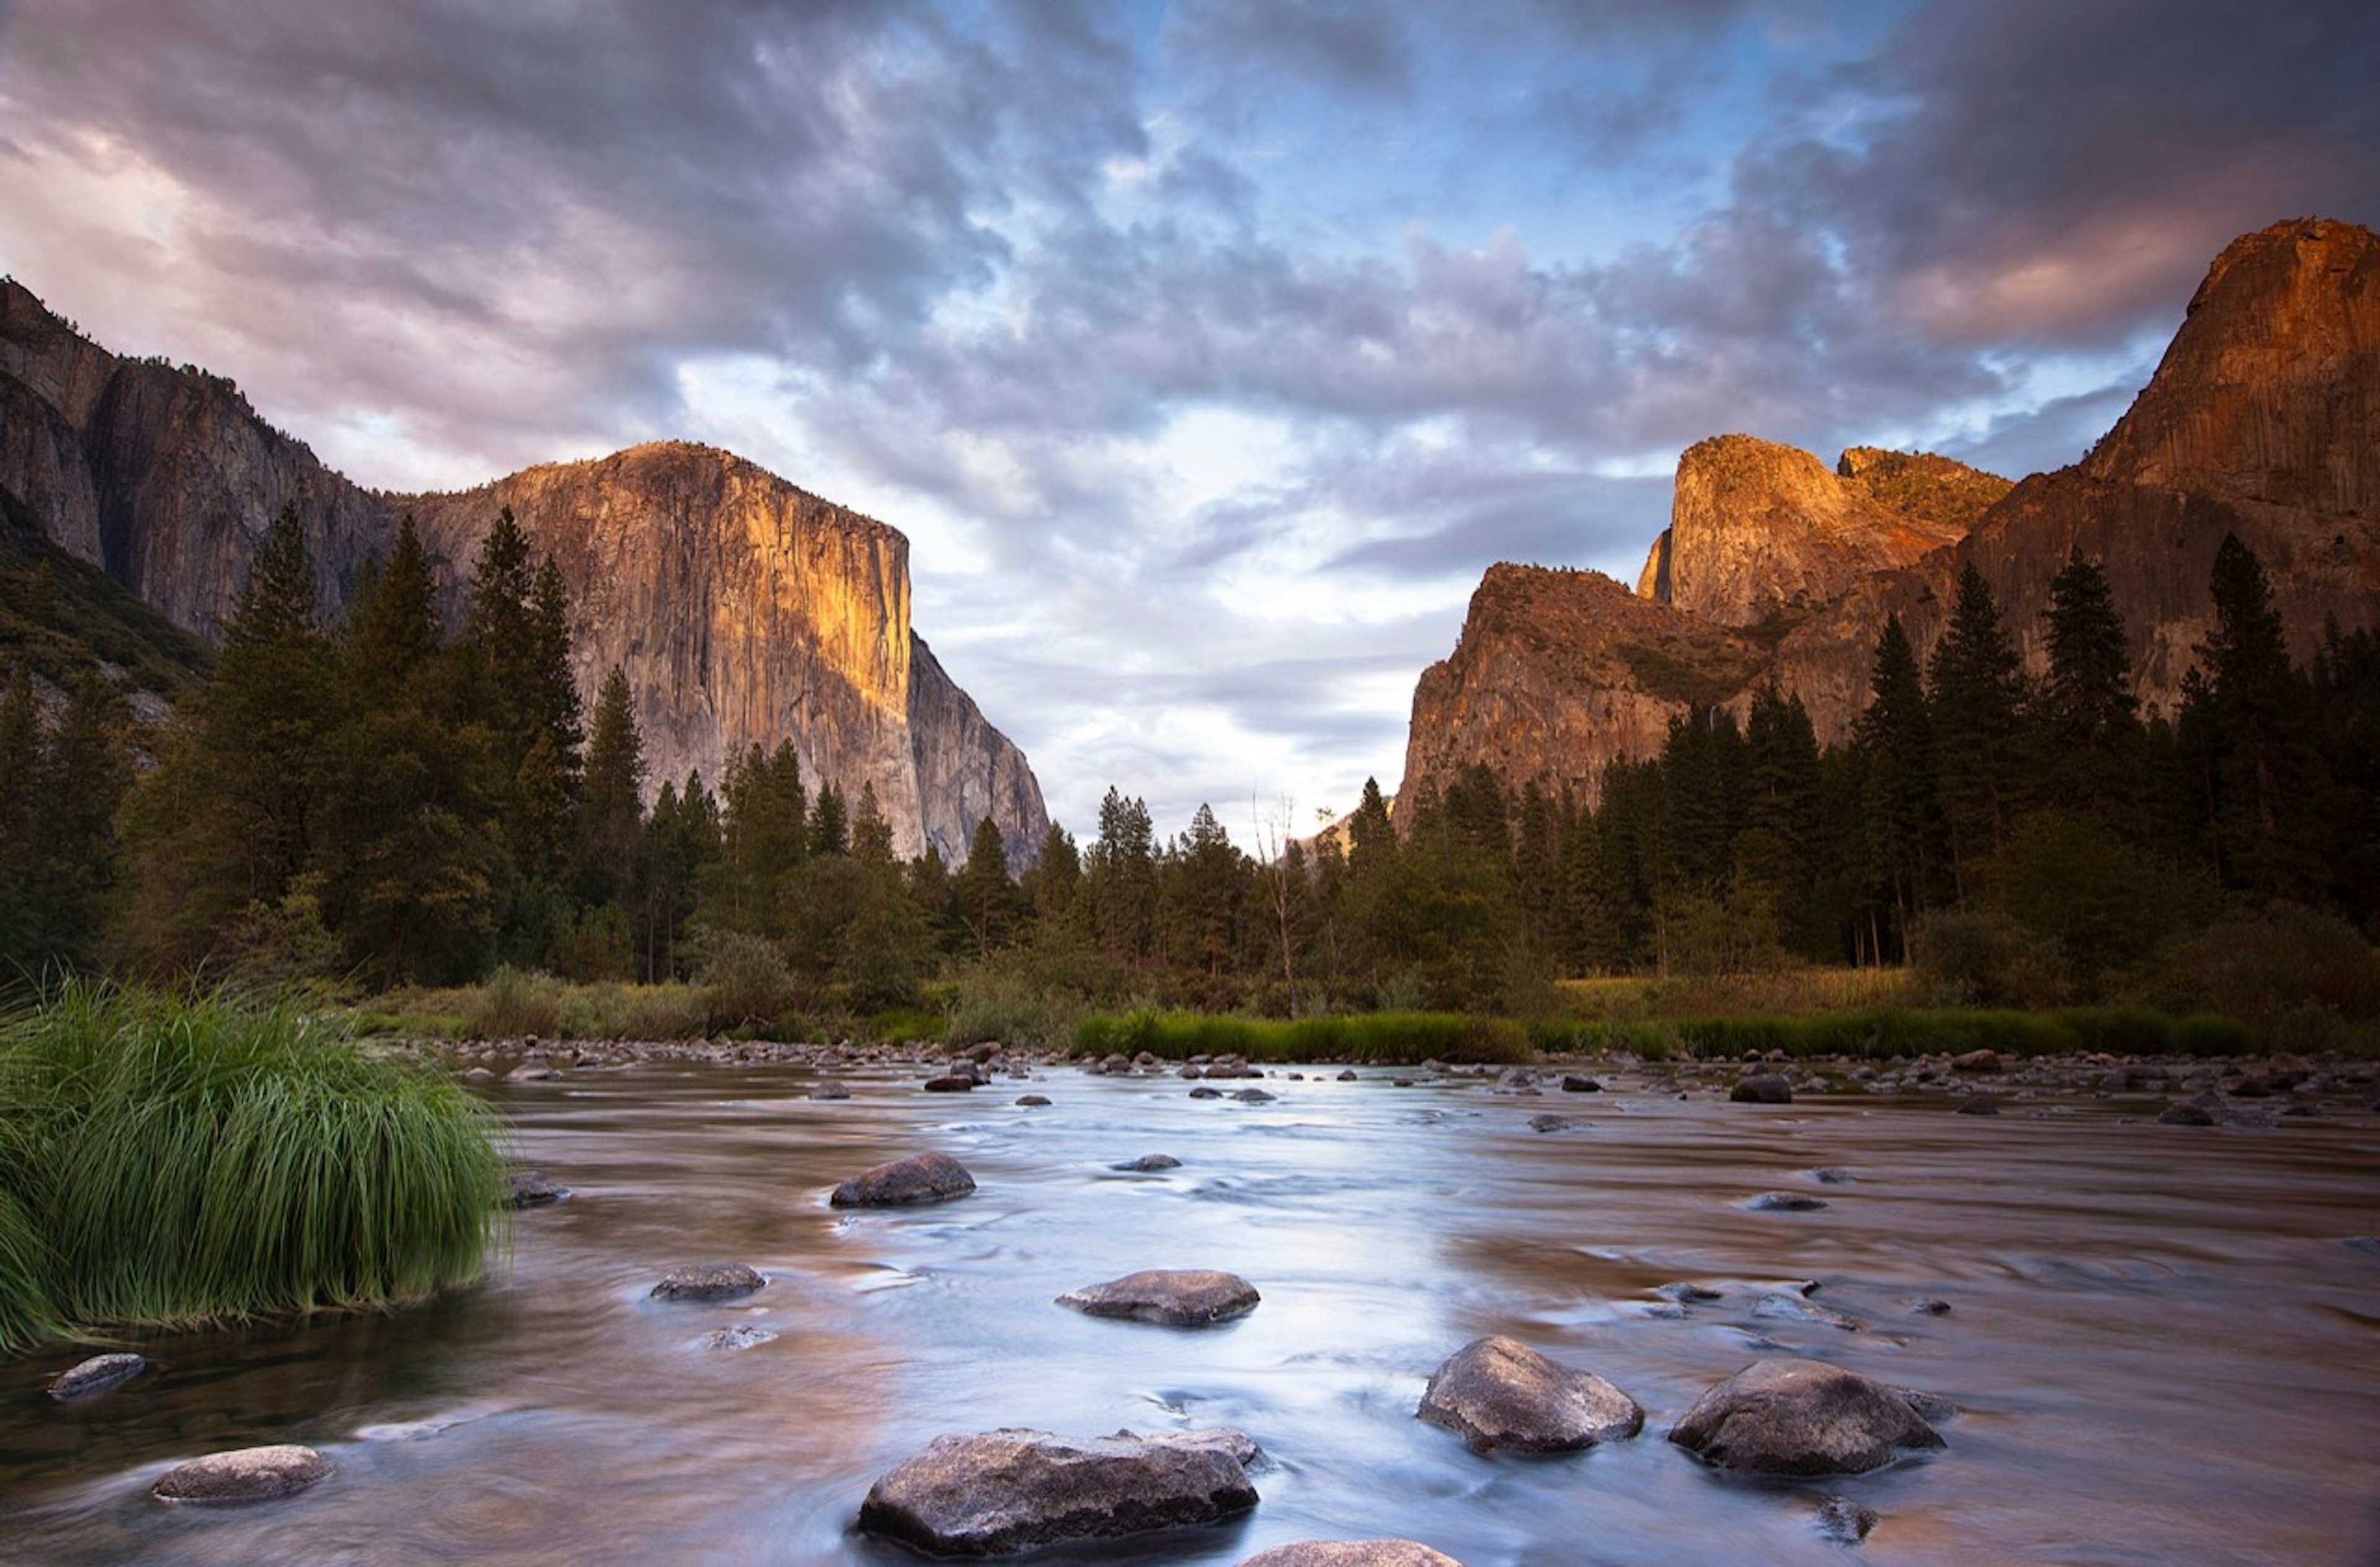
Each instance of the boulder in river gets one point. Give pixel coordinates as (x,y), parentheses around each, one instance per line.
(741,1336)
(1253,1096)
(707,1281)
(1762,1088)
(921,1177)
(1980,1104)
(533,1188)
(1351,1553)
(247,1474)
(1845,1522)
(1149,1162)
(1802,1417)
(1177,1297)
(1784,1202)
(1498,1393)
(1009,1490)
(97,1374)
(827,1088)
(1033,1101)
(951,1082)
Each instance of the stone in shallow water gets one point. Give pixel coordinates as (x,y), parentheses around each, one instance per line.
(1845,1522)
(1253,1096)
(951,1082)
(1762,1088)
(1202,1092)
(247,1474)
(97,1374)
(1010,1489)
(1550,1123)
(1498,1393)
(1572,1083)
(1686,1293)
(1149,1162)
(1351,1553)
(1793,1308)
(827,1088)
(921,1177)
(1033,1101)
(707,1281)
(1177,1297)
(533,1188)
(1981,1104)
(1802,1417)
(742,1336)
(1784,1202)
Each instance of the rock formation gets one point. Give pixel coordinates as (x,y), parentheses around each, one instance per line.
(2263,420)
(742,609)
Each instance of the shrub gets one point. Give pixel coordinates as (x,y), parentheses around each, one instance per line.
(183,1162)
(744,978)
(515,1004)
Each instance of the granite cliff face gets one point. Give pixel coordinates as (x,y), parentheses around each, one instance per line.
(1761,533)
(2263,420)
(742,609)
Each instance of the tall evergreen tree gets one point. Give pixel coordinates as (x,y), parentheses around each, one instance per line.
(984,893)
(829,822)
(1121,877)
(1975,695)
(1903,814)
(2251,716)
(611,802)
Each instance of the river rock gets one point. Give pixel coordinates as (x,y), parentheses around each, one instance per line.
(1980,1104)
(1572,1083)
(1177,1297)
(921,1177)
(1345,1077)
(533,1072)
(1845,1522)
(1784,1202)
(1686,1292)
(1793,1308)
(97,1374)
(1762,1088)
(1253,1096)
(1550,1123)
(1033,1101)
(741,1336)
(247,1474)
(2202,1110)
(1011,1489)
(1202,1092)
(827,1088)
(1984,1061)
(1351,1553)
(1149,1162)
(2363,1243)
(1802,1417)
(533,1188)
(1832,1175)
(1500,1393)
(707,1281)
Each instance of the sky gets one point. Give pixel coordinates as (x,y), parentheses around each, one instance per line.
(1207,352)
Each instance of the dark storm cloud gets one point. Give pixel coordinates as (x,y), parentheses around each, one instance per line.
(2048,172)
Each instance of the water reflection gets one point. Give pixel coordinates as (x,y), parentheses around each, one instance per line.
(2163,1351)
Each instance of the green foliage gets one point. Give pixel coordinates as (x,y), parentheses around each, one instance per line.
(1885,1035)
(1003,1002)
(516,1004)
(1696,674)
(743,977)
(185,1162)
(60,616)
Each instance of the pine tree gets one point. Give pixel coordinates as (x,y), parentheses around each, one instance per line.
(983,891)
(392,638)
(829,823)
(611,800)
(1975,695)
(2252,712)
(1121,878)
(1903,814)
(871,834)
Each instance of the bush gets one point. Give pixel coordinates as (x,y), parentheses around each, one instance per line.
(989,1002)
(1383,1037)
(515,1004)
(185,1162)
(744,978)
(1985,957)
(2276,969)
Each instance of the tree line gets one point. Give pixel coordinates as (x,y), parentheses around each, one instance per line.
(383,801)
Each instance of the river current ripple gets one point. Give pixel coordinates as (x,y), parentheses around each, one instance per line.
(2163,1348)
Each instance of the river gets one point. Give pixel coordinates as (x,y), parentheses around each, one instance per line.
(2161,1348)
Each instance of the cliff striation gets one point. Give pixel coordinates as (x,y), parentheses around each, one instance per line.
(744,610)
(2263,420)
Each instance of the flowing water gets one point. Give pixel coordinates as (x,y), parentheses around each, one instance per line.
(2162,1349)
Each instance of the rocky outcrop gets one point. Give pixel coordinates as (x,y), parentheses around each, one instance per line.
(1762,533)
(1557,675)
(744,610)
(1010,1491)
(2263,420)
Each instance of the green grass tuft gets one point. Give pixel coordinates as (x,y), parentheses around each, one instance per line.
(187,1161)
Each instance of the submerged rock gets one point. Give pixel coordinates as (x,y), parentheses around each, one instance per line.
(1177,1297)
(827,1088)
(1802,1417)
(1012,1489)
(921,1177)
(1784,1202)
(1763,1087)
(1572,1083)
(1253,1096)
(1980,1104)
(1149,1162)
(533,1188)
(1202,1092)
(97,1374)
(951,1082)
(1686,1292)
(707,1281)
(1033,1101)
(1846,1522)
(1550,1123)
(742,1336)
(1351,1553)
(247,1474)
(1793,1308)
(1498,1393)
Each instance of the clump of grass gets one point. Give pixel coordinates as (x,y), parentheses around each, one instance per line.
(179,1161)
(1894,1033)
(515,1003)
